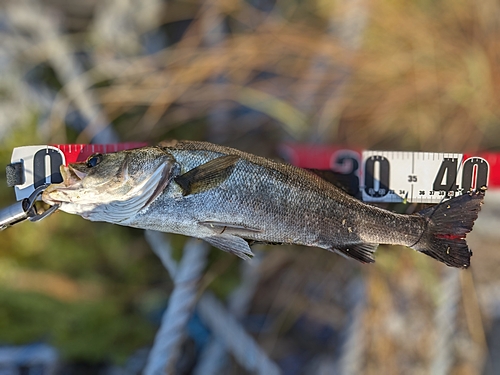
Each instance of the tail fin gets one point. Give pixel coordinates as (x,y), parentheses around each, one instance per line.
(447,225)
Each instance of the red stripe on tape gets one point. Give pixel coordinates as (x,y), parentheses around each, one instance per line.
(493,159)
(317,157)
(80,152)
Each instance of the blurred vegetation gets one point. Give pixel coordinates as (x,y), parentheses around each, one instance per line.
(380,74)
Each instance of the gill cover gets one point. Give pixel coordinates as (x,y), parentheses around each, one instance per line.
(139,197)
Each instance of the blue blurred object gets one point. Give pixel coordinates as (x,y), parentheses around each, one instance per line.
(33,359)
(198,331)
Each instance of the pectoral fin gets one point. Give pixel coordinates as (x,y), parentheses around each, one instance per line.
(232,244)
(208,175)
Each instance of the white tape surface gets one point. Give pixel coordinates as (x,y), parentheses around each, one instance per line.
(419,177)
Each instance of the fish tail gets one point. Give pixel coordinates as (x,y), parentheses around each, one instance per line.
(447,224)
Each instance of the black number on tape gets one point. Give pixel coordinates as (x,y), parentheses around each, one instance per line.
(477,180)
(346,162)
(382,180)
(446,178)
(39,167)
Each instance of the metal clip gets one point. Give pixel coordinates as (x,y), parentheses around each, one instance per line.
(25,210)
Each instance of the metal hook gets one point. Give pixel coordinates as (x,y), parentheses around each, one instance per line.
(33,214)
(25,210)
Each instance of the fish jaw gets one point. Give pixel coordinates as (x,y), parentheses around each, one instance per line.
(58,193)
(66,193)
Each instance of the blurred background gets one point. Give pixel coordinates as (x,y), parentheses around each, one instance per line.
(372,74)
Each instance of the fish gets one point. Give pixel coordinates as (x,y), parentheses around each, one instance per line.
(233,199)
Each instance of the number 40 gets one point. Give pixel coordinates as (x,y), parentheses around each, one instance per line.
(474,174)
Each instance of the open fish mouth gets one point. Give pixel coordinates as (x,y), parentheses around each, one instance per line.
(56,193)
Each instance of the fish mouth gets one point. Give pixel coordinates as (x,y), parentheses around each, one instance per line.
(57,193)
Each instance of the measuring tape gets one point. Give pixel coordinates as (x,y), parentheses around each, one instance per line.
(379,176)
(397,176)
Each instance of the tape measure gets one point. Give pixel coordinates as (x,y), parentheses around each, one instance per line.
(379,176)
(397,176)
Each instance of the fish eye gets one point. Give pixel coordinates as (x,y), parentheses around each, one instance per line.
(93,160)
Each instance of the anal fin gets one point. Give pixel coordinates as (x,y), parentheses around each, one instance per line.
(232,244)
(362,252)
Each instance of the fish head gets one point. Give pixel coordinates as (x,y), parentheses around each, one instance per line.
(112,187)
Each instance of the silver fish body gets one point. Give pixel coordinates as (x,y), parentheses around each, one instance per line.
(230,198)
